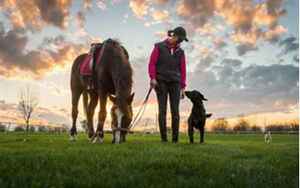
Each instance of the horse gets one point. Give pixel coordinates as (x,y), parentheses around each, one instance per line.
(113,79)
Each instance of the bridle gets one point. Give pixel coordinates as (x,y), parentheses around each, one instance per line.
(137,117)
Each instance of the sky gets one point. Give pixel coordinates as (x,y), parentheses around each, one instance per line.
(242,54)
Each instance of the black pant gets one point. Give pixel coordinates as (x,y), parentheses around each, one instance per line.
(163,90)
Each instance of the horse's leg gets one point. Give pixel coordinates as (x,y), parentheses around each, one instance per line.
(101,119)
(113,137)
(90,114)
(75,98)
(123,136)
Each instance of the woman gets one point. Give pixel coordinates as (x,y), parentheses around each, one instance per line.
(167,72)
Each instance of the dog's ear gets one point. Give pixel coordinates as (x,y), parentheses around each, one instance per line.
(202,97)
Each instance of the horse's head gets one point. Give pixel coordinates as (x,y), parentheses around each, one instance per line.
(121,114)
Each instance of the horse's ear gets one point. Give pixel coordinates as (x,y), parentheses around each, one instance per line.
(130,98)
(112,98)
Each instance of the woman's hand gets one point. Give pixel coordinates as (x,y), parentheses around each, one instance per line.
(153,83)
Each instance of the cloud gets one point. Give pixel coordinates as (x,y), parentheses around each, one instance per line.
(160,15)
(34,15)
(16,60)
(287,41)
(204,63)
(42,116)
(140,78)
(247,89)
(250,21)
(289,44)
(219,43)
(87,4)
(161,34)
(139,7)
(236,63)
(274,34)
(196,12)
(205,51)
(242,49)
(54,12)
(101,4)
(161,2)
(296,58)
(80,18)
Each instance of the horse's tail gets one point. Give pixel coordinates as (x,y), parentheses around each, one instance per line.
(85,99)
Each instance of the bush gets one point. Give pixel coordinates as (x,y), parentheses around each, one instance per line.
(2,127)
(42,129)
(242,125)
(60,129)
(220,125)
(277,127)
(294,126)
(255,128)
(31,129)
(64,128)
(19,129)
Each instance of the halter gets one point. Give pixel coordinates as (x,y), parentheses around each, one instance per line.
(137,117)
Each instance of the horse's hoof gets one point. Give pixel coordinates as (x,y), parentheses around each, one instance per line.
(91,136)
(98,140)
(91,139)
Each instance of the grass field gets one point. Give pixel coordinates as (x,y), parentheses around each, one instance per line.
(46,160)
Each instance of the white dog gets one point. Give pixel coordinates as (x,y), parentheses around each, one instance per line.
(268,137)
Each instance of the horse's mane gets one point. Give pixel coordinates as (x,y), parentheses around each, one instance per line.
(113,48)
(116,47)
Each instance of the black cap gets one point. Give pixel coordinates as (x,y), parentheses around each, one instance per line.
(180,32)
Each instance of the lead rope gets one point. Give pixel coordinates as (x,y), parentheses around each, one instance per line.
(141,111)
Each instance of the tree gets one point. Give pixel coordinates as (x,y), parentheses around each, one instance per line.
(27,103)
(19,128)
(294,125)
(220,124)
(242,125)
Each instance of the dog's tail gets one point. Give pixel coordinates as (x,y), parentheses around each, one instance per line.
(208,115)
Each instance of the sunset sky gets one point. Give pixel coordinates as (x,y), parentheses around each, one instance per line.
(242,54)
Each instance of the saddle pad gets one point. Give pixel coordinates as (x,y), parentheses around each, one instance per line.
(85,68)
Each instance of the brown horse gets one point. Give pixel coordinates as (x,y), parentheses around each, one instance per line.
(113,78)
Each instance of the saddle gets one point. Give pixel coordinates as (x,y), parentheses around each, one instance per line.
(93,57)
(87,67)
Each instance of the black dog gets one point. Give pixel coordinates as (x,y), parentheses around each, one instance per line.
(198,115)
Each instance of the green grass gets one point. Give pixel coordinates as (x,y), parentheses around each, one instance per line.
(46,160)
